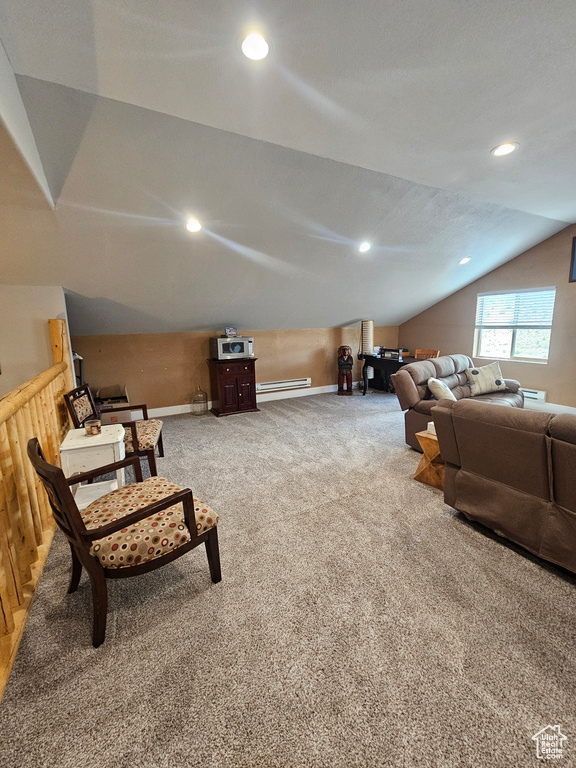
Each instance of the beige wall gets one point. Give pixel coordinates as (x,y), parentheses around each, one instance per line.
(25,347)
(449,325)
(163,369)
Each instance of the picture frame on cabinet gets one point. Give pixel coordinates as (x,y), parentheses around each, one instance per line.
(572,278)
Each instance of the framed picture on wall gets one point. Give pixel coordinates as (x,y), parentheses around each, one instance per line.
(573,262)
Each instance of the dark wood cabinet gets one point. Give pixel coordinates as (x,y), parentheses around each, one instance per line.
(233,386)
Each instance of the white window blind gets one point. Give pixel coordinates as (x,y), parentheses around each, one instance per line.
(514,325)
(531,308)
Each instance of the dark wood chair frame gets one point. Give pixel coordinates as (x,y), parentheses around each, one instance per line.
(75,394)
(69,520)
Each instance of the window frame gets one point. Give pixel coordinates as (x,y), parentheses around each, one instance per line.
(514,327)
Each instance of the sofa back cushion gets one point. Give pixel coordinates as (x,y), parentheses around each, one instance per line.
(450,365)
(506,445)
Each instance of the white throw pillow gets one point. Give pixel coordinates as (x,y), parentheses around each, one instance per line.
(440,390)
(486,379)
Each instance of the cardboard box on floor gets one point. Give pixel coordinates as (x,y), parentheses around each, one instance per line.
(112,397)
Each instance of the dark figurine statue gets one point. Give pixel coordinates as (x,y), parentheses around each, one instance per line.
(345,365)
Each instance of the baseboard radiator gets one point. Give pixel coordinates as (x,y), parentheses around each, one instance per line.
(275,386)
(534,394)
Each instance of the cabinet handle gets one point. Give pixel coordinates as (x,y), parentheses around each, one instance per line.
(245,367)
(240,393)
(227,369)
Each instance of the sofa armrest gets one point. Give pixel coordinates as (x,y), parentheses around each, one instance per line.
(405,388)
(512,385)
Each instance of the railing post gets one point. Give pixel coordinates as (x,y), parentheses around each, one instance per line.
(61,351)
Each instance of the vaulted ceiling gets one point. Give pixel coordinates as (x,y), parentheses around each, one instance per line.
(367,121)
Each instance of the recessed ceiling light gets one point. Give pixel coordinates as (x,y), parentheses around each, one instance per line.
(465,260)
(365,246)
(255,47)
(504,149)
(193,225)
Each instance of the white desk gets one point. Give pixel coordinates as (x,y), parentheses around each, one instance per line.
(81,453)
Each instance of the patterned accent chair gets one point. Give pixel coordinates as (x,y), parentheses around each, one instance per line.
(127,532)
(145,434)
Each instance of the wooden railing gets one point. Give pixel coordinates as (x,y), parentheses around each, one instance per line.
(35,409)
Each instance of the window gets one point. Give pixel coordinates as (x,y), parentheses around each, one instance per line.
(514,326)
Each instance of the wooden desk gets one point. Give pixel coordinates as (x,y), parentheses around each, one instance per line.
(431,467)
(385,364)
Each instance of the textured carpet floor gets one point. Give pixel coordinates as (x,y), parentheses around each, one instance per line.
(360,621)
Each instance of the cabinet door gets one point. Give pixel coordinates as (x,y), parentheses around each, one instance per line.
(229,395)
(246,393)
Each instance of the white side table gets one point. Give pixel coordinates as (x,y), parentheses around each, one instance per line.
(81,453)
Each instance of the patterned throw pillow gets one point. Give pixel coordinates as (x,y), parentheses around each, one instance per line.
(440,390)
(486,379)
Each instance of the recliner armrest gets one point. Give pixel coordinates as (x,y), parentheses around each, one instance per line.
(512,385)
(443,421)
(405,388)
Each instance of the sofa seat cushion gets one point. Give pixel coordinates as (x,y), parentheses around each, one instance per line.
(512,399)
(149,538)
(147,432)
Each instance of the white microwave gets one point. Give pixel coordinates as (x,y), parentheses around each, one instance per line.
(231,347)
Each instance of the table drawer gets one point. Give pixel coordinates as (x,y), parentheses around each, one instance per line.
(236,368)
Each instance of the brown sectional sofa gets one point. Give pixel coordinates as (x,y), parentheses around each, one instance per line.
(411,385)
(513,471)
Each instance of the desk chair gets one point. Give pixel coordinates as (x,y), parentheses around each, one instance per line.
(426,354)
(133,530)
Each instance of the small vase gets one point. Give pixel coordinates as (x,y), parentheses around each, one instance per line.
(199,402)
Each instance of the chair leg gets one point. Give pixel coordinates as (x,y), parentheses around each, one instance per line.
(152,462)
(76,571)
(213,553)
(160,446)
(99,603)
